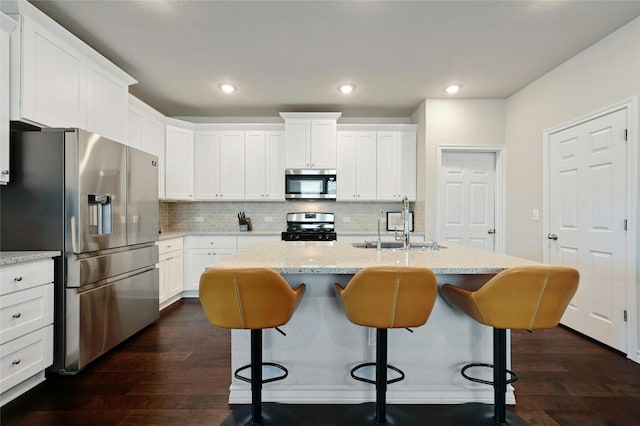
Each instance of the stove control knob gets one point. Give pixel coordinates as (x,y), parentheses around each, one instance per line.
(297,236)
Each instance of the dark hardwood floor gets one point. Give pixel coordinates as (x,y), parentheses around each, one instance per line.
(177,372)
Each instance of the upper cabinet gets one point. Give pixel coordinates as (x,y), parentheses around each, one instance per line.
(396,165)
(58,81)
(179,163)
(310,140)
(264,166)
(219,165)
(145,131)
(356,166)
(7,26)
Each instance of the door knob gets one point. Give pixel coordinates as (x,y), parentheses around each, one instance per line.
(552,236)
(491,231)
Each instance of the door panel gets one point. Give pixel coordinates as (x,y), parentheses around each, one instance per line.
(587,208)
(467,214)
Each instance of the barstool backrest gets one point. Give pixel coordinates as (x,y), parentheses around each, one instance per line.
(525,298)
(389,296)
(248,298)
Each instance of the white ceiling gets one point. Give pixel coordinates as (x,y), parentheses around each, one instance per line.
(292,55)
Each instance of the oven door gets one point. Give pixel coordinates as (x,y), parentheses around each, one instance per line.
(314,184)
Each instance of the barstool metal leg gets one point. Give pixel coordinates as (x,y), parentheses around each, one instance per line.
(381,375)
(499,375)
(256,376)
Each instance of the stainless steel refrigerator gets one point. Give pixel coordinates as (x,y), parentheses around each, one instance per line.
(96,201)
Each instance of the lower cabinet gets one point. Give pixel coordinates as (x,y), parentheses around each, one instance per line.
(203,251)
(171,271)
(26,335)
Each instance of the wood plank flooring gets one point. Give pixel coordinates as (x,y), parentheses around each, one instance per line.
(177,372)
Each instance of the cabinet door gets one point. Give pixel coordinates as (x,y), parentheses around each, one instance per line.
(198,260)
(231,165)
(154,141)
(256,164)
(207,170)
(407,178)
(386,181)
(175,274)
(135,129)
(366,166)
(179,163)
(163,293)
(297,140)
(106,104)
(53,77)
(323,144)
(274,175)
(4,101)
(347,155)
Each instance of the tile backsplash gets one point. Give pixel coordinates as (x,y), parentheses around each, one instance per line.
(271,216)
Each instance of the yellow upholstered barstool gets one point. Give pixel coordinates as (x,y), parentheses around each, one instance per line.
(386,297)
(522,298)
(253,299)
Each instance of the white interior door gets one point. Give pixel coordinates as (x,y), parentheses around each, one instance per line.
(467,207)
(587,205)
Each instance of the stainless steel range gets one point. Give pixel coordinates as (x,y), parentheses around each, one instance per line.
(310,226)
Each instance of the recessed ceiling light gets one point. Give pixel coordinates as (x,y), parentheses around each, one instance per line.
(227,88)
(346,89)
(453,89)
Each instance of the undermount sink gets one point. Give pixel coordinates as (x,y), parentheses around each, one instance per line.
(418,245)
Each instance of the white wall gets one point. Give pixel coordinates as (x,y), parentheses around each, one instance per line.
(469,122)
(604,74)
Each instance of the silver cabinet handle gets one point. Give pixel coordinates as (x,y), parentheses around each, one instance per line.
(5,172)
(15,361)
(552,236)
(491,231)
(16,316)
(18,279)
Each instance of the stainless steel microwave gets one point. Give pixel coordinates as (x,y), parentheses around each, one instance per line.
(310,184)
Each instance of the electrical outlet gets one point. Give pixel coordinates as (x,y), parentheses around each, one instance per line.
(268,219)
(346,219)
(198,219)
(535,214)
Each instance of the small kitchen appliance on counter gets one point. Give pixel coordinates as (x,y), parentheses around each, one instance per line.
(310,226)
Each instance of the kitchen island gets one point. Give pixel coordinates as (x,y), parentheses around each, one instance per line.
(321,345)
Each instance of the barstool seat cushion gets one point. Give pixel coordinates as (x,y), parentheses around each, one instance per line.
(525,298)
(389,296)
(248,298)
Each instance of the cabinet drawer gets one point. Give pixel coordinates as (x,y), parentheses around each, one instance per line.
(25,311)
(22,276)
(167,246)
(23,357)
(226,242)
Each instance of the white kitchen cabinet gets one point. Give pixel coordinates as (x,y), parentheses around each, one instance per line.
(264,166)
(396,165)
(171,271)
(219,165)
(179,163)
(59,81)
(356,166)
(310,140)
(26,335)
(107,103)
(7,25)
(203,251)
(145,131)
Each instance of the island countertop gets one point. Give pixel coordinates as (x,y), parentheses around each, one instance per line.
(336,257)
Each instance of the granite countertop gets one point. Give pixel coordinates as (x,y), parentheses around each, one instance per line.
(288,257)
(11,257)
(174,234)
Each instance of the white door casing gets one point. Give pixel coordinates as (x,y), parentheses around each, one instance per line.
(467,198)
(587,221)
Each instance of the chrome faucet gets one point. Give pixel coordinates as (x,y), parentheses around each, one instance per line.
(406,228)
